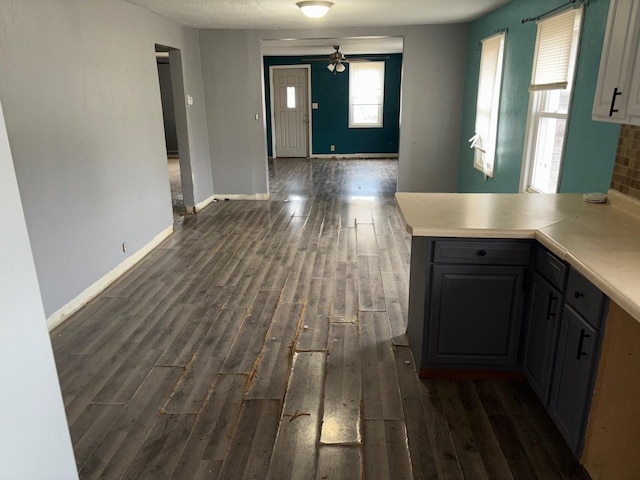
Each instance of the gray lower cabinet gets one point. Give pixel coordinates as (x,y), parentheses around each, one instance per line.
(561,343)
(465,307)
(576,361)
(475,315)
(577,358)
(543,315)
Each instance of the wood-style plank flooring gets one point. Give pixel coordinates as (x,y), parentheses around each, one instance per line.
(265,340)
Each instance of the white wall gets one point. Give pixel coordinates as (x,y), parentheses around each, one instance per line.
(431,111)
(80,90)
(34,438)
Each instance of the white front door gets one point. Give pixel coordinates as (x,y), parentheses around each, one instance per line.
(290,109)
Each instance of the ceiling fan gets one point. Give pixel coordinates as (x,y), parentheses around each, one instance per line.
(337,60)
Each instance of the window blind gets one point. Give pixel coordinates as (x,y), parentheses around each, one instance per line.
(484,140)
(557,37)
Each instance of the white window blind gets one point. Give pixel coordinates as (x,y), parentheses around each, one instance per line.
(556,40)
(366,94)
(484,140)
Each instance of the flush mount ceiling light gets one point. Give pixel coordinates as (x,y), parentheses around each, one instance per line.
(314,9)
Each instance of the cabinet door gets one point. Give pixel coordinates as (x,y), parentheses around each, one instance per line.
(476,314)
(616,63)
(576,361)
(542,327)
(633,106)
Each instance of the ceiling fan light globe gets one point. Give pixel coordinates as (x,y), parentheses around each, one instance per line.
(331,67)
(313,8)
(340,67)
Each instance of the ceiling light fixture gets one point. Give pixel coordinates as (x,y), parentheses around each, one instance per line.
(314,9)
(337,67)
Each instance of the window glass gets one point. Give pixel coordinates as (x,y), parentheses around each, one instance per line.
(550,102)
(486,129)
(366,94)
(291,97)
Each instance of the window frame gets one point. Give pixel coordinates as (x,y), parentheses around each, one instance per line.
(353,66)
(485,149)
(535,114)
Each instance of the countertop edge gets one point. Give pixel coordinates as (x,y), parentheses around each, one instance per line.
(624,301)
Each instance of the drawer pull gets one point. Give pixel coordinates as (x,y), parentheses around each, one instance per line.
(481,253)
(578,294)
(550,312)
(583,335)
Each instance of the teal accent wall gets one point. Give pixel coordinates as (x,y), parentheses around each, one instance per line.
(591,146)
(330,122)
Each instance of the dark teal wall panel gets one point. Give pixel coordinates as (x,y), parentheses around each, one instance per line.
(590,147)
(330,121)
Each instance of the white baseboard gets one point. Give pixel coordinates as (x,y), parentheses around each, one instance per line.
(241,196)
(200,205)
(361,156)
(87,295)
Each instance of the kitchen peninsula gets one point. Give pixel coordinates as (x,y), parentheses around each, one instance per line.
(544,284)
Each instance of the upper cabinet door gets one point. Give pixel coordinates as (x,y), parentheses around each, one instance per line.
(617,84)
(633,106)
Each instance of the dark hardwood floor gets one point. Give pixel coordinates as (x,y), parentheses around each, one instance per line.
(265,340)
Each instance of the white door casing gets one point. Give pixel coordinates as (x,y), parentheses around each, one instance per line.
(290,111)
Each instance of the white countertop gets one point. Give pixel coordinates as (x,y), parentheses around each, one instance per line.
(601,241)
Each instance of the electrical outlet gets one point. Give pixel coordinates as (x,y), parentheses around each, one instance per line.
(333,148)
(124,248)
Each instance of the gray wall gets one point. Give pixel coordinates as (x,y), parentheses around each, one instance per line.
(34,438)
(432,85)
(232,71)
(431,111)
(80,90)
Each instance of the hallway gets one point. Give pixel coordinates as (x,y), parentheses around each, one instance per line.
(266,340)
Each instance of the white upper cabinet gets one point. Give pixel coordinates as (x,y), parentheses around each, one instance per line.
(617,96)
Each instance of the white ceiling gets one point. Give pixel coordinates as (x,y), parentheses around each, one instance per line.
(284,14)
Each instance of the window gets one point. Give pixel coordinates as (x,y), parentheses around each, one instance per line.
(291,97)
(486,131)
(366,94)
(551,90)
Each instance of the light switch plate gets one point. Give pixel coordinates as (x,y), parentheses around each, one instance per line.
(189,100)
(314,106)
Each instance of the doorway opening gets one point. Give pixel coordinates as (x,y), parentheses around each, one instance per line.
(330,100)
(174,102)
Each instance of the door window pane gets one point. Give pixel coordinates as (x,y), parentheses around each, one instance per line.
(291,97)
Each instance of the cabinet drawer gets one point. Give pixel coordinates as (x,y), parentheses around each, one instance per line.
(551,267)
(482,252)
(585,297)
